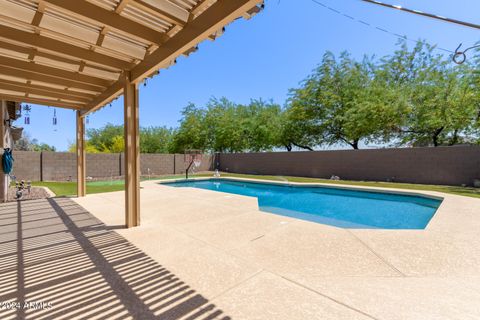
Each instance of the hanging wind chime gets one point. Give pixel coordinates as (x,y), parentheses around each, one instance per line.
(54,120)
(27,108)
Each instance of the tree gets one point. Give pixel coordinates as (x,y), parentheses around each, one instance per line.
(155,139)
(224,126)
(89,148)
(191,133)
(263,122)
(109,139)
(106,139)
(340,102)
(437,96)
(26,143)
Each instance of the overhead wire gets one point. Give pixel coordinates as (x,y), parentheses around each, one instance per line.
(375,27)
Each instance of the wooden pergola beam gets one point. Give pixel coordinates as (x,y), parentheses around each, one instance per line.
(121,5)
(45,102)
(105,97)
(108,18)
(29,75)
(44,89)
(39,41)
(200,6)
(51,56)
(29,89)
(165,15)
(55,72)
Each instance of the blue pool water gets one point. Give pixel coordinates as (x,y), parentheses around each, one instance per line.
(333,206)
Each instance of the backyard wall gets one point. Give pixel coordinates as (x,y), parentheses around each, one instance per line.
(62,166)
(441,165)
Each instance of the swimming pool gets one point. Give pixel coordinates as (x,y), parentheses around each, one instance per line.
(328,205)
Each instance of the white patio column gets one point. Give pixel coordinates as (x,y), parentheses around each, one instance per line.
(132,153)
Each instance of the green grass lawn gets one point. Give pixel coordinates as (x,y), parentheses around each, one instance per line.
(70,188)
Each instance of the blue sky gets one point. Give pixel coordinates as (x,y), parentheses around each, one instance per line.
(269,54)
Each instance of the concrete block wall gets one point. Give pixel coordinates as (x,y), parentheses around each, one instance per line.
(58,166)
(442,165)
(27,165)
(156,164)
(103,165)
(179,163)
(206,164)
(62,166)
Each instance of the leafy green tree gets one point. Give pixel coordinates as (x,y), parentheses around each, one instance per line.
(342,101)
(155,139)
(192,132)
(224,126)
(263,124)
(438,97)
(104,139)
(109,139)
(26,143)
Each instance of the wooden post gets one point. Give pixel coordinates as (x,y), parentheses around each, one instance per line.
(81,156)
(3,177)
(132,153)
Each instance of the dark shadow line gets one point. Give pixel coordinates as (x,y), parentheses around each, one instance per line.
(131,301)
(20,294)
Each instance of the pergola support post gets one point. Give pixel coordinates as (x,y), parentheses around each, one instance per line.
(81,156)
(132,152)
(3,176)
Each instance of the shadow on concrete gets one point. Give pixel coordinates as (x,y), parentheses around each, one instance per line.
(58,261)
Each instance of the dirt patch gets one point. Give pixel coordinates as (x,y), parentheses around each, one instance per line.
(35,193)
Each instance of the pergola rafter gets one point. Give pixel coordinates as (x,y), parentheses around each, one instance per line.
(43,42)
(109,18)
(83,54)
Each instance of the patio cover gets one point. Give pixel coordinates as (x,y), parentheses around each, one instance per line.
(82,54)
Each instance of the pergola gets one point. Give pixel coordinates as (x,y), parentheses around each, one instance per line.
(82,54)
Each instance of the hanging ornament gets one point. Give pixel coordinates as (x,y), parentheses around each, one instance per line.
(27,108)
(88,120)
(54,117)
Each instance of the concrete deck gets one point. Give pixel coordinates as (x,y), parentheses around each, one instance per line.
(208,255)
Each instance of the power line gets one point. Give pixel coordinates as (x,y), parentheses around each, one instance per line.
(378,28)
(425,14)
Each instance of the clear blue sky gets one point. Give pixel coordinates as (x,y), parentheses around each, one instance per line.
(266,56)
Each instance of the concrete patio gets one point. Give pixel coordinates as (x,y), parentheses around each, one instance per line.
(200,254)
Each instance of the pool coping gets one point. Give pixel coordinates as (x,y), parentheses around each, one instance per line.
(419,193)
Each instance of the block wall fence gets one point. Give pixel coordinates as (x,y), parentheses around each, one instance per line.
(455,165)
(442,165)
(62,166)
